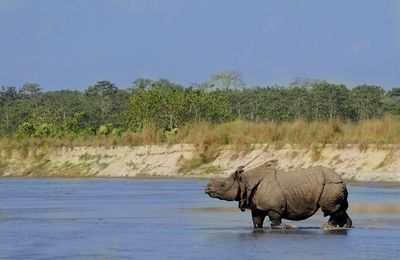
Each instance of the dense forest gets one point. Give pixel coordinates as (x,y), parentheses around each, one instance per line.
(106,109)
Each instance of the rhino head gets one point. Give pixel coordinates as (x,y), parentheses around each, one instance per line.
(228,189)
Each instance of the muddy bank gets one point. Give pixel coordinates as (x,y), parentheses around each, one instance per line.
(354,163)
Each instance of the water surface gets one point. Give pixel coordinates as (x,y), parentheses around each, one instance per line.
(153,219)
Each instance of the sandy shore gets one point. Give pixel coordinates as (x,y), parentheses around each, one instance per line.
(375,164)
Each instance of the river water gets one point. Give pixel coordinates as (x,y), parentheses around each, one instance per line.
(174,219)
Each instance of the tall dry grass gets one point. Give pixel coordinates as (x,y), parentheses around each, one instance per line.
(306,134)
(239,134)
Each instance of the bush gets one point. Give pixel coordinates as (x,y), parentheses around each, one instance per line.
(116,132)
(26,129)
(44,130)
(104,129)
(171,134)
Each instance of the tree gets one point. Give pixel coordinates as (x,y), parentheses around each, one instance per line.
(30,89)
(391,101)
(166,106)
(306,82)
(159,105)
(8,95)
(367,101)
(142,83)
(107,104)
(275,105)
(330,102)
(394,93)
(102,88)
(300,100)
(226,80)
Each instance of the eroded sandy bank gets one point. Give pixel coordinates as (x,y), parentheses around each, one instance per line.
(352,162)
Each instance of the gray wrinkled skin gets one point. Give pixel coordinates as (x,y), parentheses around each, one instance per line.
(292,195)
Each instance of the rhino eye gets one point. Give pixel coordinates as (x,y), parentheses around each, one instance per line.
(222,184)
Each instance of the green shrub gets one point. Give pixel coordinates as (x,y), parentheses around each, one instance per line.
(104,129)
(44,130)
(172,133)
(26,129)
(116,132)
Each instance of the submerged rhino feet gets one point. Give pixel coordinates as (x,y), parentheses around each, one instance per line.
(328,226)
(258,217)
(345,221)
(342,220)
(276,221)
(281,226)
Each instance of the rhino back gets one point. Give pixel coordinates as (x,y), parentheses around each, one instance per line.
(254,176)
(330,175)
(302,190)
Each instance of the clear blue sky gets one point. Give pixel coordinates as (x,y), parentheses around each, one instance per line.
(72,44)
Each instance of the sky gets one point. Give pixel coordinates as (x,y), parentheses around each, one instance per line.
(72,44)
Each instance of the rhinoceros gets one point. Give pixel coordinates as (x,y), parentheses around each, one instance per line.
(292,195)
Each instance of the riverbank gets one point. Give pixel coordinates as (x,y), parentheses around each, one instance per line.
(354,162)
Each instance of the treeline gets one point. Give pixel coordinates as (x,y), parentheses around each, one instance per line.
(30,112)
(321,101)
(108,110)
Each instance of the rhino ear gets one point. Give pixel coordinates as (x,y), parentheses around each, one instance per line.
(238,173)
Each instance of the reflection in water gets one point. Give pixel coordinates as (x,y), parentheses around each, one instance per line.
(342,231)
(374,208)
(300,231)
(354,207)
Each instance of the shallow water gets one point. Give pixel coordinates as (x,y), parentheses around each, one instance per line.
(129,218)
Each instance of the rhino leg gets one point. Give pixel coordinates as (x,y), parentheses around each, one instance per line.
(339,216)
(334,203)
(258,217)
(342,220)
(243,204)
(349,222)
(275,220)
